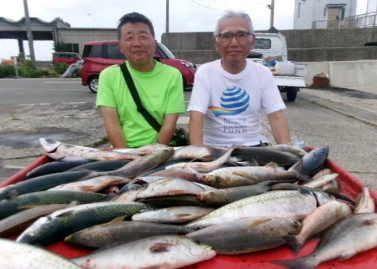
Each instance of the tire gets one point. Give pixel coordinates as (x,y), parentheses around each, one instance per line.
(292,94)
(93,84)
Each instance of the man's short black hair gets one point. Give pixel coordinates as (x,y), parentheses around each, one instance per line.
(134,17)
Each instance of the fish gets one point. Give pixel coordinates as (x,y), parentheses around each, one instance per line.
(295,204)
(364,202)
(198,152)
(227,177)
(170,186)
(290,148)
(62,151)
(19,221)
(24,256)
(54,167)
(107,165)
(141,165)
(319,220)
(175,214)
(20,203)
(94,184)
(220,197)
(346,238)
(54,227)
(265,155)
(184,173)
(41,183)
(312,162)
(146,149)
(246,235)
(163,251)
(116,232)
(321,181)
(204,167)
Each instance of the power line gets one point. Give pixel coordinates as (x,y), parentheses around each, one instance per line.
(88,13)
(205,6)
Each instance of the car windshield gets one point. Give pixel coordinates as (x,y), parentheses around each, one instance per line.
(165,52)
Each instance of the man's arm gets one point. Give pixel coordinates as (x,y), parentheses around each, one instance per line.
(279,127)
(196,127)
(113,127)
(167,129)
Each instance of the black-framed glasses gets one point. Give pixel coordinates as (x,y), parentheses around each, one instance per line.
(240,35)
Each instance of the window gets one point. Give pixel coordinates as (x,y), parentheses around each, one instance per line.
(93,51)
(262,43)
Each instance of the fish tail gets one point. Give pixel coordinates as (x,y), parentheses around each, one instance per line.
(293,242)
(297,167)
(300,263)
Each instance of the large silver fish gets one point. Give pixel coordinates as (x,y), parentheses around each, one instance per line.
(198,152)
(163,252)
(175,214)
(64,152)
(348,237)
(9,207)
(228,177)
(289,204)
(15,255)
(246,235)
(56,226)
(116,232)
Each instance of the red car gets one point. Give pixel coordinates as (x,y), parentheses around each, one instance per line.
(98,55)
(65,57)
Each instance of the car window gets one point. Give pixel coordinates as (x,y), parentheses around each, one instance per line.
(92,51)
(111,51)
(262,43)
(164,52)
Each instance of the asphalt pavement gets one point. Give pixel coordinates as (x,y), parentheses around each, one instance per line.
(81,124)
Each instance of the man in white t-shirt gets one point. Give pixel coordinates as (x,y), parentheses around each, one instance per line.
(230,94)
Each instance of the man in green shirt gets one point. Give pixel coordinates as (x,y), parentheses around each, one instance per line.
(159,86)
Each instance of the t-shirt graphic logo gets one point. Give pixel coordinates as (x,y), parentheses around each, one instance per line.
(233,101)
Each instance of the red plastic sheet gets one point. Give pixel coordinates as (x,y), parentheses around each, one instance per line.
(349,184)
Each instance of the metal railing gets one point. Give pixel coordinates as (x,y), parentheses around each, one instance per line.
(358,21)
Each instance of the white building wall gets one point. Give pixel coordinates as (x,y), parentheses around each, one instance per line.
(308,11)
(372,6)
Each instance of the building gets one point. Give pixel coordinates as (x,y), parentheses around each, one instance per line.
(322,14)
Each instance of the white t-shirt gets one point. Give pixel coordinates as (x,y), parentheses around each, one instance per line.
(233,103)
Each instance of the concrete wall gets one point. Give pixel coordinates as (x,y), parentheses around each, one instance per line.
(340,53)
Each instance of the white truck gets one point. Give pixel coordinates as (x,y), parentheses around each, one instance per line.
(270,49)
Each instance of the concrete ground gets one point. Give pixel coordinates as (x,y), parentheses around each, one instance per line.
(81,124)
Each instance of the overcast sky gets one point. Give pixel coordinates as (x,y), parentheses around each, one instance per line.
(185,16)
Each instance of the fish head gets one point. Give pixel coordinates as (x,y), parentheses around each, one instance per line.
(49,145)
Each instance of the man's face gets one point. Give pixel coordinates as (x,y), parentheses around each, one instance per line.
(137,43)
(234,42)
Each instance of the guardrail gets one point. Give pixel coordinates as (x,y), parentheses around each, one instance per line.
(359,21)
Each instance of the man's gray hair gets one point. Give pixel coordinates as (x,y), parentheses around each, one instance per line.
(230,14)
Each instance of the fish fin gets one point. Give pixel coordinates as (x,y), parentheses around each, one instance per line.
(258,222)
(115,221)
(293,243)
(272,164)
(88,188)
(160,247)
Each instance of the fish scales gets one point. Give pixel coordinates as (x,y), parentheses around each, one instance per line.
(290,204)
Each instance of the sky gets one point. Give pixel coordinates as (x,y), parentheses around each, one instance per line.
(184,16)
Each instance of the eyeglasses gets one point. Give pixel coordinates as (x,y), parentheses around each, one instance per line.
(227,37)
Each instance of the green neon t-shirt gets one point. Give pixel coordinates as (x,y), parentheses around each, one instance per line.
(160,91)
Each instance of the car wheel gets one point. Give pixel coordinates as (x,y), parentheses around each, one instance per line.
(291,94)
(93,84)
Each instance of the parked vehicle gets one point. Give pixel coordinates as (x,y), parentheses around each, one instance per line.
(98,55)
(270,49)
(65,57)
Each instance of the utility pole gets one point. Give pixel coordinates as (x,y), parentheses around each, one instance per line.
(272,9)
(167,16)
(29,33)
